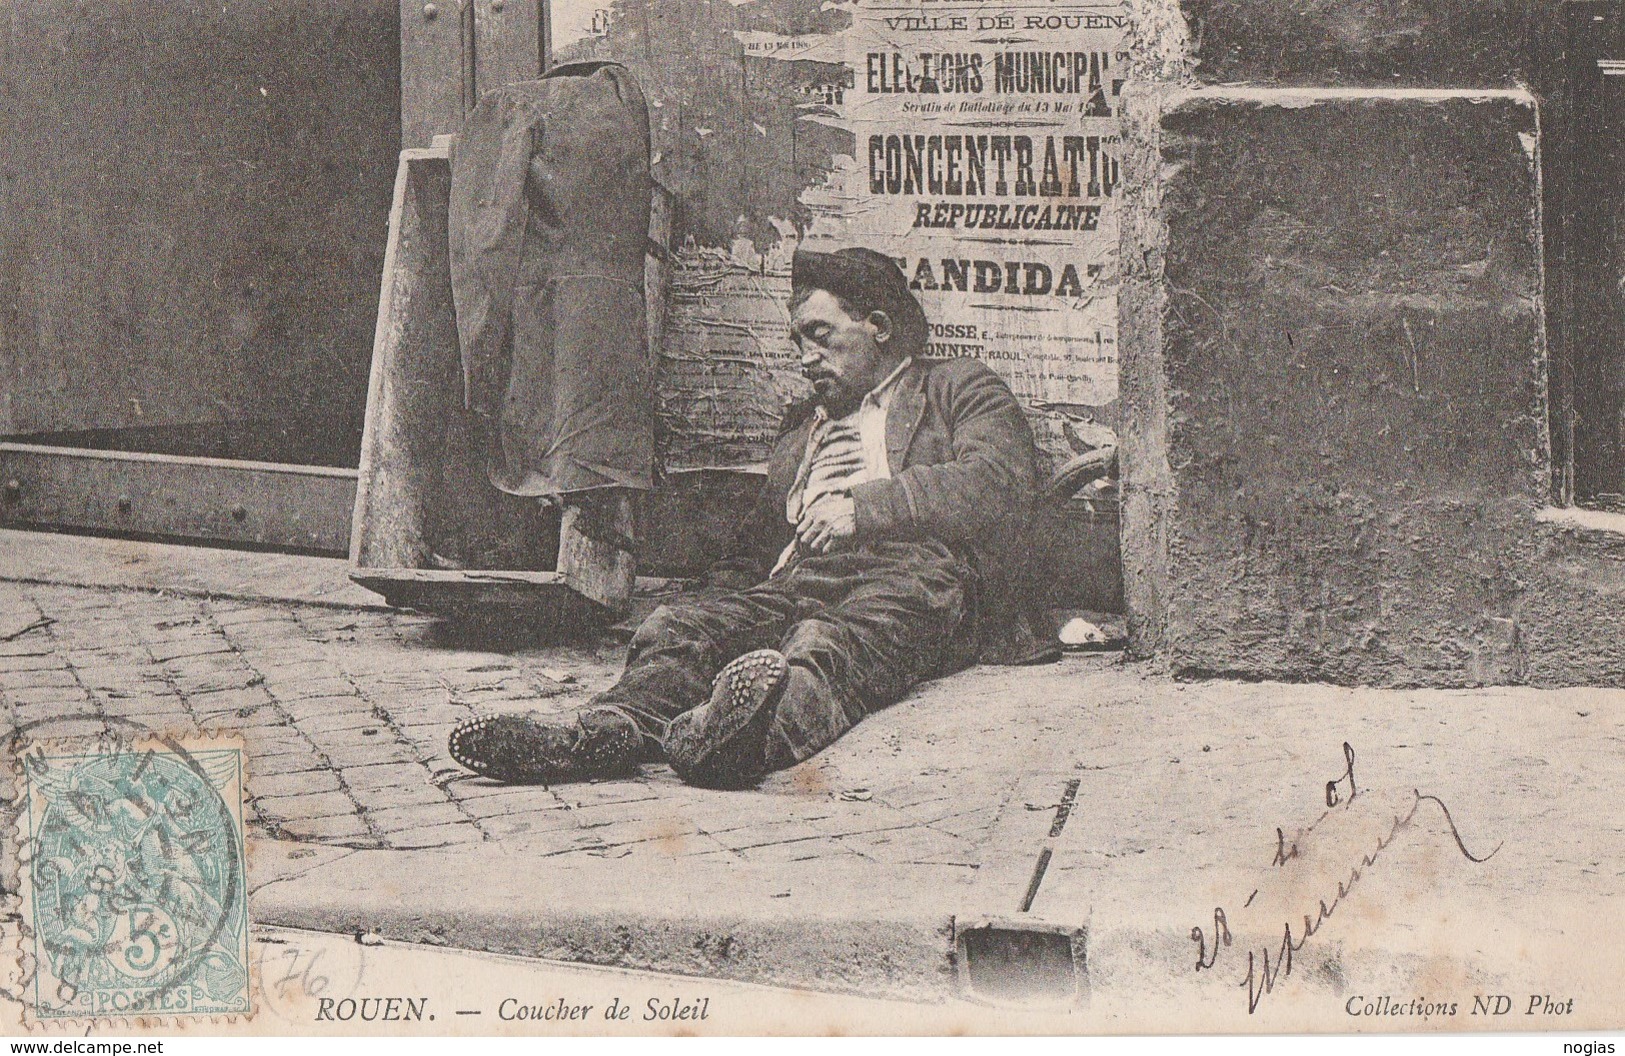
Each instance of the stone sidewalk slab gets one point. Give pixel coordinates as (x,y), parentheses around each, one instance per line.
(855,928)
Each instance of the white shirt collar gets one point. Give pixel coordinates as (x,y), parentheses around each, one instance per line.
(879,391)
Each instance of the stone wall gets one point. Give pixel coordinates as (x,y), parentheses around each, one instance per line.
(1335,352)
(1369,43)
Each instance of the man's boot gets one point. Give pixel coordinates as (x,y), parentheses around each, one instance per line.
(538,749)
(722,743)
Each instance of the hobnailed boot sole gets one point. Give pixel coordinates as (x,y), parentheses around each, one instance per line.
(719,743)
(531,750)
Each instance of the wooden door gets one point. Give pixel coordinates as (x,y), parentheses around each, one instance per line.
(193,202)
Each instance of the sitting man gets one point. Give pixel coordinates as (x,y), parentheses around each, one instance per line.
(887,548)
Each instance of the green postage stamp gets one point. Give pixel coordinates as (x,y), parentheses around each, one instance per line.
(132,876)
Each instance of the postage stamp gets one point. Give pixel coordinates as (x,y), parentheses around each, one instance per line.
(132,877)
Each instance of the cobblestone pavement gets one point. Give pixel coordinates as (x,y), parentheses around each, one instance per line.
(933,808)
(346,714)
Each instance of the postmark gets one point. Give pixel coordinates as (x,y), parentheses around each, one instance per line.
(132,878)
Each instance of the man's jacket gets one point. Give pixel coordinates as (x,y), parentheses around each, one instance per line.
(963,473)
(549,226)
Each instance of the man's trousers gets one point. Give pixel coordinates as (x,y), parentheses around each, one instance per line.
(859,629)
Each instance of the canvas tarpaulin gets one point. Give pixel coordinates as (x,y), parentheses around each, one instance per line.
(549,226)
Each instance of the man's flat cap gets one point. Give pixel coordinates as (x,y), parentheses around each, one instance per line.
(866,280)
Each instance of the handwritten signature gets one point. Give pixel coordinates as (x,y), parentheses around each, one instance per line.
(1268,965)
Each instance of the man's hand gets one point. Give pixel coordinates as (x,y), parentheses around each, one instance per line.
(829,523)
